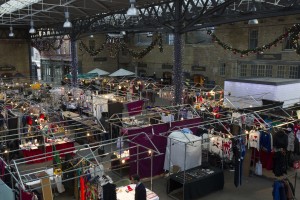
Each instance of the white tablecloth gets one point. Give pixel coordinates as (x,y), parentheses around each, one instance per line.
(123,195)
(48,171)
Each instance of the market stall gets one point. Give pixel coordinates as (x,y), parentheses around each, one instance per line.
(253,90)
(142,124)
(183,150)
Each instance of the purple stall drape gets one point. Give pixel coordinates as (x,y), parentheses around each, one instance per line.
(153,132)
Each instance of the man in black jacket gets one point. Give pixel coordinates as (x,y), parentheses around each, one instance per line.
(140,190)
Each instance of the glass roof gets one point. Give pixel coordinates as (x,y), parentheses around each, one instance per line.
(14,5)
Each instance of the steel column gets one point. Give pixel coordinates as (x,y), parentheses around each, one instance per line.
(177,67)
(74,62)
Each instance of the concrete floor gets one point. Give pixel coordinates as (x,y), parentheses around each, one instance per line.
(254,188)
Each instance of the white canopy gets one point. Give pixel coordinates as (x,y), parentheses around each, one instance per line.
(182,148)
(100,72)
(122,72)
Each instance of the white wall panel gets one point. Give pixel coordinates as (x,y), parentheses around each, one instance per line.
(245,95)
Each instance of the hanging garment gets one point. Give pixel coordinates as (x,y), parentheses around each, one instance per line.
(254,138)
(236,129)
(266,141)
(205,141)
(216,145)
(239,153)
(91,191)
(279,164)
(291,142)
(109,192)
(2,169)
(58,181)
(227,148)
(280,140)
(82,188)
(26,195)
(296,147)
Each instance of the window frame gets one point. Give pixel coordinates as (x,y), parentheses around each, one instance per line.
(253,39)
(287,40)
(280,71)
(222,69)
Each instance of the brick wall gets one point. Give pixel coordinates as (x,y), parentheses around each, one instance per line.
(211,56)
(15,53)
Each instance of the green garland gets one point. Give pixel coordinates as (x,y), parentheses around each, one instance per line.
(47,44)
(115,44)
(292,32)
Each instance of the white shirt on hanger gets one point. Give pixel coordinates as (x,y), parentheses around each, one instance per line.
(254,137)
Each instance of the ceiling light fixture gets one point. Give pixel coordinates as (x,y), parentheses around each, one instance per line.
(11,33)
(13,5)
(32,29)
(132,11)
(67,23)
(253,21)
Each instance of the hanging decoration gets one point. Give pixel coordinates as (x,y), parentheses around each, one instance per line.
(47,44)
(114,45)
(292,33)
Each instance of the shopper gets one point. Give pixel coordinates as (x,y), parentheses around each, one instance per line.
(140,190)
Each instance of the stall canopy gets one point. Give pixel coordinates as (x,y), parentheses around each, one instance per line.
(122,72)
(84,76)
(183,150)
(100,72)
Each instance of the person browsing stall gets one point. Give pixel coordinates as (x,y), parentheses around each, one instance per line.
(140,190)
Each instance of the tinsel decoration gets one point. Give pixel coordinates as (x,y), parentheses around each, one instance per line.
(91,51)
(292,32)
(47,44)
(114,45)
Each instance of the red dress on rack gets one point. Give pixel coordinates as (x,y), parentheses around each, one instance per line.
(82,189)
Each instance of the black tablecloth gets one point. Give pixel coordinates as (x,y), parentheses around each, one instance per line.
(195,187)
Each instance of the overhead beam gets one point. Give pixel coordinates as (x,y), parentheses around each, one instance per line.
(101,5)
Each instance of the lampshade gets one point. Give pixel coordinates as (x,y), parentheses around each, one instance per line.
(32,29)
(11,33)
(253,21)
(132,11)
(67,23)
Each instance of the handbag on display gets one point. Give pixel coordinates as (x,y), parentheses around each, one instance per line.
(258,168)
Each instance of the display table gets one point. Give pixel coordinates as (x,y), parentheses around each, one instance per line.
(62,147)
(198,182)
(32,179)
(69,114)
(124,194)
(32,153)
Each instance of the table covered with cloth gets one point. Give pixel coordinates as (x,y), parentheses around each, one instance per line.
(127,193)
(198,182)
(37,155)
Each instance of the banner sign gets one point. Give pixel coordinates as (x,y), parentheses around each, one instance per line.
(135,108)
